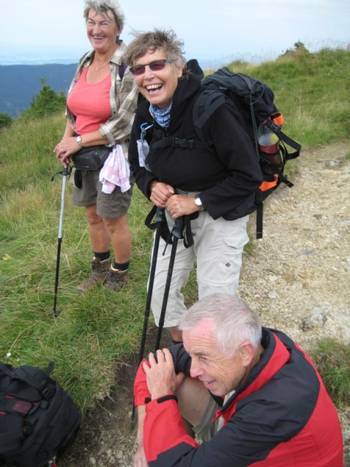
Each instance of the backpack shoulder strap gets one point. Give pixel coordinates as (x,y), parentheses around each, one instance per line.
(208,101)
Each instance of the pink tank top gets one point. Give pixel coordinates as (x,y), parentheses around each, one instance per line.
(90,103)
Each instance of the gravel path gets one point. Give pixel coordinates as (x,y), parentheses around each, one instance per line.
(297,278)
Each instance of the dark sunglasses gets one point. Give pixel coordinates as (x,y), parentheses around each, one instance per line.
(156,65)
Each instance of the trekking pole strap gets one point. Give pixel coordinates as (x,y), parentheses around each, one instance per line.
(259,220)
(157,214)
(66,172)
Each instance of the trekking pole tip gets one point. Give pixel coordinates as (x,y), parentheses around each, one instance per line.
(55,312)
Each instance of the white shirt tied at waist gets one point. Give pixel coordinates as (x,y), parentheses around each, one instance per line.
(115,171)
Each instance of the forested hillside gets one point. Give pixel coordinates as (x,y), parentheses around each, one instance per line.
(20,83)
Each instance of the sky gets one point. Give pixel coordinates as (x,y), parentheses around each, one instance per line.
(47,31)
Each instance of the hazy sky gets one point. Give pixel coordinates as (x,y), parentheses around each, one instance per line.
(46,30)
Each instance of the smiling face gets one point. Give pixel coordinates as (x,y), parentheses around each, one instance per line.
(219,373)
(102,31)
(158,87)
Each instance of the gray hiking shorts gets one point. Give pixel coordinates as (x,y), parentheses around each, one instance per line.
(108,206)
(208,426)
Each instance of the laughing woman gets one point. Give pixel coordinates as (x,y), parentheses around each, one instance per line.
(100,107)
(212,181)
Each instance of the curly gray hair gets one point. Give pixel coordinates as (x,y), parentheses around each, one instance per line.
(104,6)
(152,41)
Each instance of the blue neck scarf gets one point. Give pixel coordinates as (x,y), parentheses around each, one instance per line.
(161,115)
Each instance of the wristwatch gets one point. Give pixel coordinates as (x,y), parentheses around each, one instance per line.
(198,203)
(79,140)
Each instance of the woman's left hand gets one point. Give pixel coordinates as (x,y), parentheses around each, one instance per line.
(181,205)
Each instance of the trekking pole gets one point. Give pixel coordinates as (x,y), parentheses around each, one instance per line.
(177,233)
(65,174)
(158,220)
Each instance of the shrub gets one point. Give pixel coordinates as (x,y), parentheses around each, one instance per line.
(45,103)
(5,120)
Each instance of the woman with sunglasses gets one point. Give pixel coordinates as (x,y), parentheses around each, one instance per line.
(212,181)
(100,108)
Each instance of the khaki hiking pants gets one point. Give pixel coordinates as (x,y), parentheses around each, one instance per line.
(217,252)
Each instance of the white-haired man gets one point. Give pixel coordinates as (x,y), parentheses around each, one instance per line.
(250,394)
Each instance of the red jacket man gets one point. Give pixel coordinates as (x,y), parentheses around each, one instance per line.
(273,408)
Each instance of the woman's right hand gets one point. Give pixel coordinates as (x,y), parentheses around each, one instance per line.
(160,193)
(65,148)
(61,154)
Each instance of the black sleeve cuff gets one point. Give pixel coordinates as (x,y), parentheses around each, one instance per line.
(166,398)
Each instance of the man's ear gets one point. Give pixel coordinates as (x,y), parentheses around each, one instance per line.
(247,353)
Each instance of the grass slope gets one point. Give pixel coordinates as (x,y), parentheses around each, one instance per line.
(96,331)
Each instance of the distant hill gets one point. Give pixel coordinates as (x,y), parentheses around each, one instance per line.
(20,83)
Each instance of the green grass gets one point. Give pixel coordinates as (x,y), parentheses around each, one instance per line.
(312,92)
(97,331)
(332,359)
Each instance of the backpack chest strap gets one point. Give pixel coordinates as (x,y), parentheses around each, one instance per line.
(176,142)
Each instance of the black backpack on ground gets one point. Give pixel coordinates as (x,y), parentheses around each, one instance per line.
(257,99)
(37,418)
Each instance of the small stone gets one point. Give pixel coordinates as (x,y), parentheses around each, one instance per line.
(333,164)
(316,319)
(92,461)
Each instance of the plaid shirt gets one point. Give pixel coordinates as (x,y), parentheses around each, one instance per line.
(123,98)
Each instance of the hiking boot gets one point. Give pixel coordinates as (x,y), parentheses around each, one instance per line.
(115,279)
(99,271)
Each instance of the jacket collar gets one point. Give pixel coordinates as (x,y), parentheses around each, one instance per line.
(274,357)
(189,85)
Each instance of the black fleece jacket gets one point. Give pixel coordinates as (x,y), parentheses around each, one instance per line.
(224,168)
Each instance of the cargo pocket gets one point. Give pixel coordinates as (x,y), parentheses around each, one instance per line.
(78,179)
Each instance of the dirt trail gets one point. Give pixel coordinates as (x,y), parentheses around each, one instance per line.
(297,278)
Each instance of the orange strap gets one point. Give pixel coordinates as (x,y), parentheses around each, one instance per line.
(265,186)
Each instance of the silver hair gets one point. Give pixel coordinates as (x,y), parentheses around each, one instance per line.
(103,6)
(234,322)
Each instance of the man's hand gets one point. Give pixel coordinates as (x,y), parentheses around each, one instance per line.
(160,372)
(160,193)
(181,205)
(139,459)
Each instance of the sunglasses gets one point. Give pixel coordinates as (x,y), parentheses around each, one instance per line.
(156,65)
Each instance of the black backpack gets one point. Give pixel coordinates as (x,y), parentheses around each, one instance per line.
(37,418)
(258,100)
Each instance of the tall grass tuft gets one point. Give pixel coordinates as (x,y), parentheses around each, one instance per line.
(332,359)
